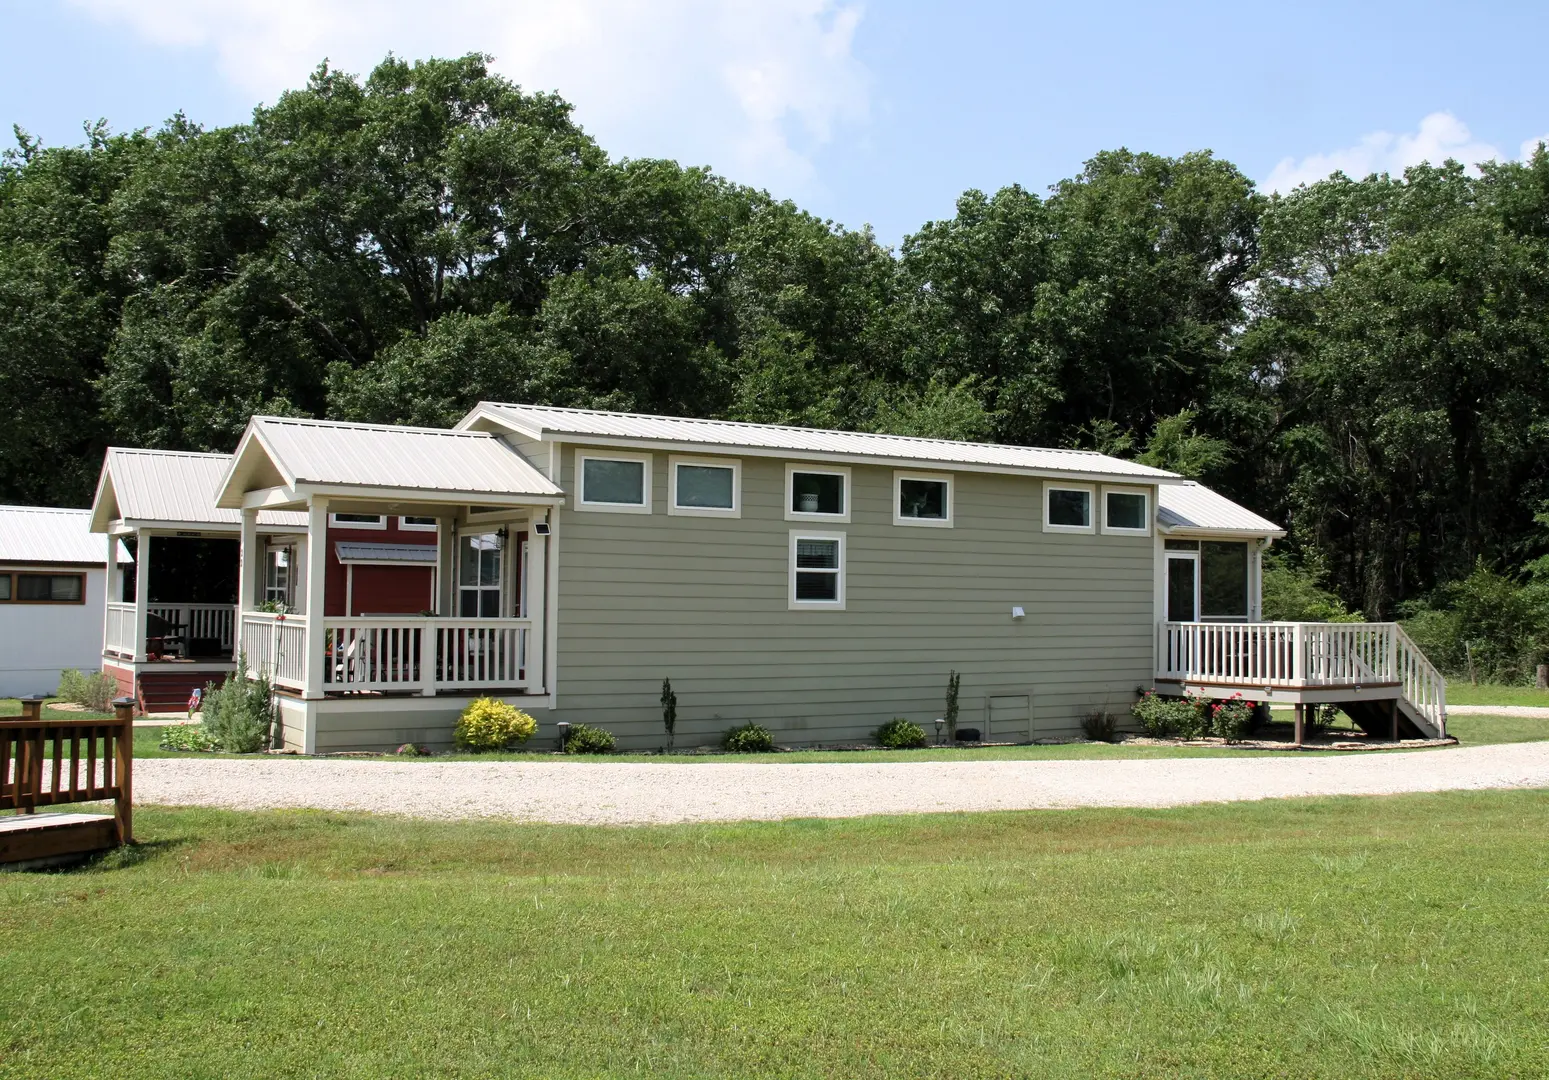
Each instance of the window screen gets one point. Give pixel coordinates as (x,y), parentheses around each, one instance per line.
(1070,506)
(817,493)
(925,500)
(706,487)
(607,480)
(1223,585)
(817,571)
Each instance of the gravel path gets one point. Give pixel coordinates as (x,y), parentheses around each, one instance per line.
(599,793)
(1531,712)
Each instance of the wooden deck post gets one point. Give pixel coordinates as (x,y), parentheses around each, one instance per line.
(1393,710)
(29,758)
(1300,722)
(123,768)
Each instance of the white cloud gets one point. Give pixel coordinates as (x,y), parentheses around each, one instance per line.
(753,89)
(1525,151)
(1440,136)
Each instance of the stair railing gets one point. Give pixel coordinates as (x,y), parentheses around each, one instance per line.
(1425,690)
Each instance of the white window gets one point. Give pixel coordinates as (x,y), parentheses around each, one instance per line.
(922,499)
(1127,511)
(817,494)
(410,523)
(817,570)
(700,487)
(478,575)
(278,577)
(358,521)
(617,482)
(1068,508)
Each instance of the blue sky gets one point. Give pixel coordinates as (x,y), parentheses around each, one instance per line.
(863,112)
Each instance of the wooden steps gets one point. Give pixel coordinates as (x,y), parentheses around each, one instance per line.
(167,691)
(44,839)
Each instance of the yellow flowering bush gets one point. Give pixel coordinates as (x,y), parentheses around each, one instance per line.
(488,724)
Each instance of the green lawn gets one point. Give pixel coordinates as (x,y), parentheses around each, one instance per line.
(1465,693)
(13,707)
(1382,937)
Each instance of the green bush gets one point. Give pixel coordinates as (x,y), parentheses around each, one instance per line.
(1231,719)
(1099,726)
(1161,716)
(585,739)
(899,734)
(1488,627)
(239,714)
(186,737)
(748,739)
(94,690)
(490,724)
(410,749)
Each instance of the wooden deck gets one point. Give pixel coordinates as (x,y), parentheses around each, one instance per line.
(58,762)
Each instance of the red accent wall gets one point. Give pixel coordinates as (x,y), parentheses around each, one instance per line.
(384,590)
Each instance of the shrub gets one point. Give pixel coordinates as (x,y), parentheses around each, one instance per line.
(585,739)
(954,683)
(94,690)
(1231,719)
(748,739)
(900,734)
(489,724)
(411,749)
(239,713)
(186,737)
(1099,726)
(1163,716)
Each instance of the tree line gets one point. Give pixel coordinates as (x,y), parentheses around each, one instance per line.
(1362,360)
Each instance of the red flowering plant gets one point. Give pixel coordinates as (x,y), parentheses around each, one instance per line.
(1161,716)
(1230,719)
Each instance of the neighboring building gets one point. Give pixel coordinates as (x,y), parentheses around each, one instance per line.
(53,583)
(816,582)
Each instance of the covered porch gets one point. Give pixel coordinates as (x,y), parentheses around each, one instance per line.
(480,627)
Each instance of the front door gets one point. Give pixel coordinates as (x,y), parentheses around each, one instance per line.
(1182,586)
(479,575)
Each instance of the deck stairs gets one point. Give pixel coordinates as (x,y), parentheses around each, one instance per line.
(1372,671)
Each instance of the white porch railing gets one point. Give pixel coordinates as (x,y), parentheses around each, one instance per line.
(403,654)
(118,633)
(1303,656)
(210,622)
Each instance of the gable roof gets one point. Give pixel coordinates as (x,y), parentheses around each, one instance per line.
(540,421)
(170,486)
(51,534)
(1192,507)
(339,457)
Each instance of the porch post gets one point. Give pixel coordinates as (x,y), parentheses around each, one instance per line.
(317,577)
(110,596)
(1300,722)
(537,605)
(446,540)
(247,575)
(142,590)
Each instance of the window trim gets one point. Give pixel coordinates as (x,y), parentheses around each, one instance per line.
(1115,489)
(733,511)
(379,526)
(842,573)
(406,526)
(1090,527)
(899,476)
(15,577)
(841,471)
(581,503)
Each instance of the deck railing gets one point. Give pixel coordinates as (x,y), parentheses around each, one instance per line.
(54,762)
(392,654)
(118,635)
(205,622)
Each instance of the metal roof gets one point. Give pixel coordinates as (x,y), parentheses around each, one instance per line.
(325,452)
(1193,507)
(537,421)
(172,486)
(51,534)
(359,551)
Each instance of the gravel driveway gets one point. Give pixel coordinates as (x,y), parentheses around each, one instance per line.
(602,793)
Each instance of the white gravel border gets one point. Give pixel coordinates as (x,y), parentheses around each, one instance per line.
(639,794)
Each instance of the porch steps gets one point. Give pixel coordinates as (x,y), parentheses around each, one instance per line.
(167,692)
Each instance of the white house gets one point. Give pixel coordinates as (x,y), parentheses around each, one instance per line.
(53,585)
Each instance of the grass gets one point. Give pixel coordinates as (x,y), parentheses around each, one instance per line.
(1383,937)
(1465,693)
(13,707)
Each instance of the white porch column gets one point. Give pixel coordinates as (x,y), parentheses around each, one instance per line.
(317,578)
(110,594)
(247,574)
(142,590)
(537,571)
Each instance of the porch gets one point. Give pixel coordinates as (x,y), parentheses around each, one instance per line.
(1371,670)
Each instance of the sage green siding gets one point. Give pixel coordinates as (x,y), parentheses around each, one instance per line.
(705,601)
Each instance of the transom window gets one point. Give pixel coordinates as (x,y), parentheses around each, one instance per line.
(817,493)
(478,575)
(1067,508)
(922,499)
(358,521)
(817,570)
(618,482)
(704,488)
(1126,511)
(43,588)
(412,523)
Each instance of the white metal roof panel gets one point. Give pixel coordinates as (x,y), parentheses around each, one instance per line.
(539,420)
(178,486)
(1193,506)
(51,534)
(361,551)
(373,455)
